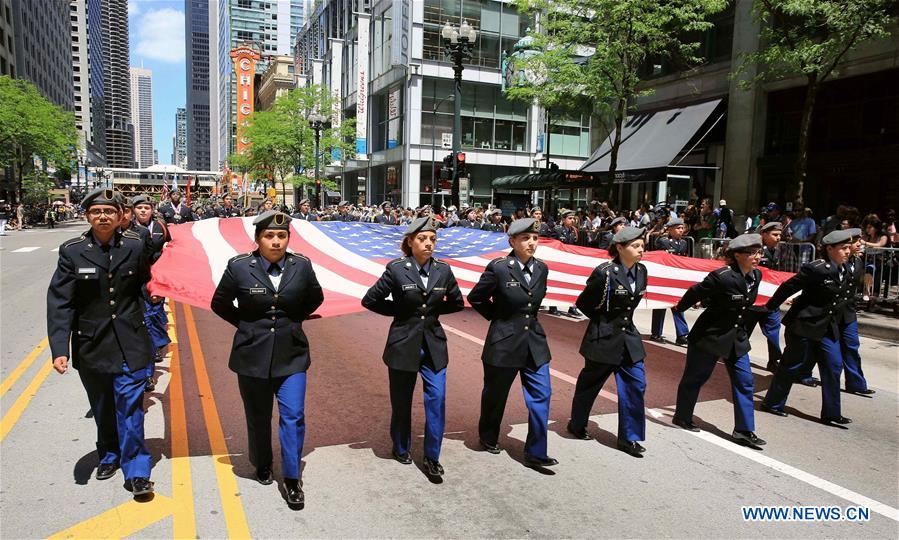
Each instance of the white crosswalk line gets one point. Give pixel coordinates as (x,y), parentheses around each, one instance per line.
(25,249)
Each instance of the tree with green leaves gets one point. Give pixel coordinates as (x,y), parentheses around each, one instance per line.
(810,38)
(31,127)
(281,142)
(594,49)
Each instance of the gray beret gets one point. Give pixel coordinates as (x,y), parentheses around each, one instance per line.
(141,199)
(627,234)
(567,213)
(616,221)
(745,241)
(272,219)
(302,202)
(524,225)
(343,203)
(101,196)
(839,236)
(674,222)
(495,211)
(774,225)
(536,209)
(422,224)
(854,232)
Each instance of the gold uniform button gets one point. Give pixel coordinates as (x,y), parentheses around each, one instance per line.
(273,330)
(422,317)
(111,289)
(273,317)
(276,295)
(424,305)
(273,307)
(527,316)
(525,327)
(113,315)
(112,302)
(109,276)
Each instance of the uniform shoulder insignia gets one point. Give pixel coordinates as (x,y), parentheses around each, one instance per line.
(396,261)
(816,263)
(441,262)
(605,265)
(240,257)
(722,270)
(299,256)
(131,234)
(74,241)
(498,259)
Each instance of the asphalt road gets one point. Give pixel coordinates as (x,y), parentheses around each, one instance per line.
(687,485)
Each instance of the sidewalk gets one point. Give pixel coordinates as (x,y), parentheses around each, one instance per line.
(880,325)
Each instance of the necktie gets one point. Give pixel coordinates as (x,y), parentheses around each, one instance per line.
(274,270)
(527,274)
(631,279)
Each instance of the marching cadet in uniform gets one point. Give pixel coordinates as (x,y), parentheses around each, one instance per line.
(94,299)
(722,331)
(173,212)
(849,343)
(385,217)
(276,290)
(305,214)
(143,215)
(343,212)
(605,238)
(495,221)
(567,232)
(421,289)
(770,322)
(675,244)
(227,209)
(814,326)
(508,295)
(612,343)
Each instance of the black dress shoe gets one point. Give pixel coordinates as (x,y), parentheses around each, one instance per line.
(405,459)
(574,311)
(682,341)
(433,468)
(295,495)
(686,424)
(865,392)
(264,475)
(149,386)
(533,461)
(771,410)
(631,447)
(657,339)
(772,366)
(139,486)
(809,381)
(579,433)
(492,448)
(748,438)
(106,471)
(842,420)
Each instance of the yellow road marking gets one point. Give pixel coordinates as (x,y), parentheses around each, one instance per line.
(121,521)
(235,518)
(184,523)
(15,412)
(23,367)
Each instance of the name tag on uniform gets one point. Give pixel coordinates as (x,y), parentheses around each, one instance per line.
(828,281)
(410,287)
(513,284)
(439,288)
(91,270)
(260,290)
(620,292)
(736,297)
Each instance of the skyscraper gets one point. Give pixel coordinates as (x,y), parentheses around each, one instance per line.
(196,21)
(179,139)
(116,84)
(43,48)
(142,115)
(87,69)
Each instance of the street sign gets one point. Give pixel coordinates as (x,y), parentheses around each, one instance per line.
(463,189)
(447,141)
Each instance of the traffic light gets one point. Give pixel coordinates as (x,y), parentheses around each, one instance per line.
(446,170)
(461,170)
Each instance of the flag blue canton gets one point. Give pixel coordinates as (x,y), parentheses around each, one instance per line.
(376,241)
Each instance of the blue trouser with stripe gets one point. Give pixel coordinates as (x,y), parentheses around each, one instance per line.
(630,380)
(658,322)
(697,371)
(257,397)
(117,402)
(799,351)
(537,390)
(402,387)
(852,360)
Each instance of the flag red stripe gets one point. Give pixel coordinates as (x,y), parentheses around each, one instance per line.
(176,274)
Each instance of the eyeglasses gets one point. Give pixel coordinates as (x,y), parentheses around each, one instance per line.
(751,252)
(97,212)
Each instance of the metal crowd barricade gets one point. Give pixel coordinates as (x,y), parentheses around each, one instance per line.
(792,255)
(710,248)
(880,285)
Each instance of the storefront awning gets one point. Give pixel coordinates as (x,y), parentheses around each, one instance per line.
(532,182)
(650,141)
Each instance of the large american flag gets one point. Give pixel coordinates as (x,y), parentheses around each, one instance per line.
(349,257)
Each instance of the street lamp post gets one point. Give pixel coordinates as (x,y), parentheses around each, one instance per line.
(434,146)
(457,45)
(317,119)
